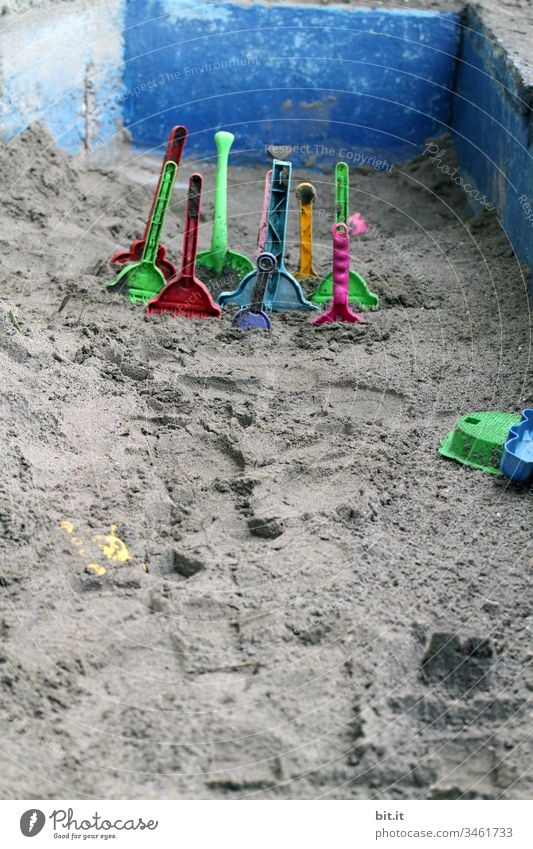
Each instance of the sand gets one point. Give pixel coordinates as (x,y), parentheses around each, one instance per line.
(316,604)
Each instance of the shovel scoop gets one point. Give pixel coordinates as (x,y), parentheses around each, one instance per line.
(340,310)
(218,255)
(254,317)
(185,295)
(142,280)
(174,151)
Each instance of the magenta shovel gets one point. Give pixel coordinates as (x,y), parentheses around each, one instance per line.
(340,309)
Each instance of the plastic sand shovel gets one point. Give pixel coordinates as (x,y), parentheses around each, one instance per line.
(174,151)
(283,292)
(339,310)
(254,317)
(306,194)
(517,455)
(358,291)
(218,254)
(264,215)
(143,280)
(184,294)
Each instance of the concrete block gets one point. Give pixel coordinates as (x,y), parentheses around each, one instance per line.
(63,66)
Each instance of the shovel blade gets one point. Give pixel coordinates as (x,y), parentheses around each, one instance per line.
(186,297)
(141,281)
(287,295)
(283,293)
(339,313)
(145,283)
(120,283)
(358,291)
(217,260)
(247,319)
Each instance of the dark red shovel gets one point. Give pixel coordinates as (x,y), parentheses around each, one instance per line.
(176,143)
(185,295)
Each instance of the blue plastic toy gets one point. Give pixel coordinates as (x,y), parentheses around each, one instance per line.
(283,292)
(254,317)
(517,455)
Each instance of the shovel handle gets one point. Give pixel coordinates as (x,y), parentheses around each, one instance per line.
(175,144)
(192,217)
(219,238)
(264,215)
(342,176)
(341,264)
(266,265)
(157,219)
(307,192)
(277,210)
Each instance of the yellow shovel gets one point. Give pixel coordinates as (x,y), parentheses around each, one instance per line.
(306,194)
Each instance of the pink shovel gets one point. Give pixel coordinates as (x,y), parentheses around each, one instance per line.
(264,215)
(340,309)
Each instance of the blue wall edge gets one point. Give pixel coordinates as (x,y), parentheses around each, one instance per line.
(492,128)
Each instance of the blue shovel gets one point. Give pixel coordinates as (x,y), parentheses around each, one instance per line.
(283,292)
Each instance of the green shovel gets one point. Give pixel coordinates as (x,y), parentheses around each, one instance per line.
(143,280)
(218,254)
(358,291)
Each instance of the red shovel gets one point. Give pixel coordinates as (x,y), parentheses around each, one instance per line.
(185,295)
(176,143)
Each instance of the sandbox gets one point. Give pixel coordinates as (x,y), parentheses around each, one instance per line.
(290,569)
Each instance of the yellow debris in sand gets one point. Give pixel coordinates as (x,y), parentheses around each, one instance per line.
(96,569)
(112,546)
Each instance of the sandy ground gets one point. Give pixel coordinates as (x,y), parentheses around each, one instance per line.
(296,543)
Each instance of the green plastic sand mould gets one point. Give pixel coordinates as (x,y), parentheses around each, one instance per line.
(478,439)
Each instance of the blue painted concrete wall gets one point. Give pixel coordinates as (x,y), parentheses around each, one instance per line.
(64,68)
(493,132)
(323,80)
